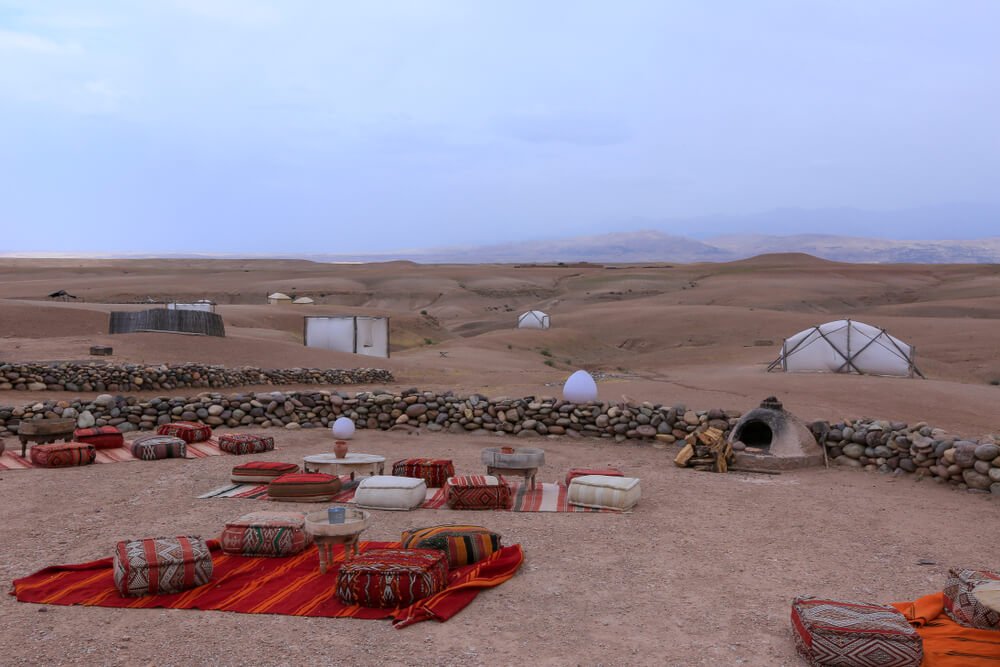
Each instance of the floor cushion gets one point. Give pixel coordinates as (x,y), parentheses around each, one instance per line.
(604,492)
(260,472)
(101,437)
(304,487)
(266,534)
(477,492)
(463,544)
(386,492)
(392,577)
(853,634)
(189,432)
(63,454)
(245,443)
(433,471)
(960,601)
(161,565)
(154,447)
(582,472)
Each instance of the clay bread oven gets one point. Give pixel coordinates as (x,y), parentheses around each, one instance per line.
(770,438)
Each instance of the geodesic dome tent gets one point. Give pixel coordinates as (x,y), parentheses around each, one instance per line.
(533,319)
(846,346)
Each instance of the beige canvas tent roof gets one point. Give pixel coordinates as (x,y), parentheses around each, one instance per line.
(533,319)
(846,346)
(278,297)
(304,301)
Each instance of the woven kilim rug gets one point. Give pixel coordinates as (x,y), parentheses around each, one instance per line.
(290,586)
(12,460)
(543,498)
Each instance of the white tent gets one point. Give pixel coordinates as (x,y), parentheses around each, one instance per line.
(533,319)
(278,297)
(304,301)
(349,333)
(846,346)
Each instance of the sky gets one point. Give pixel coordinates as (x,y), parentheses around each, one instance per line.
(253,127)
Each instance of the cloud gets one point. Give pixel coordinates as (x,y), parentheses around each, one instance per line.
(580,128)
(27,42)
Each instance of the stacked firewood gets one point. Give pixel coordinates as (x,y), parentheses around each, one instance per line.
(705,449)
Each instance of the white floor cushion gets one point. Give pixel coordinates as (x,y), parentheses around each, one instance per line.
(604,492)
(387,492)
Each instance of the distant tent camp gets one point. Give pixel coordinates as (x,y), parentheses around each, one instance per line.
(846,346)
(304,301)
(533,319)
(278,297)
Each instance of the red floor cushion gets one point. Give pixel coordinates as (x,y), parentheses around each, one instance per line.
(101,437)
(304,487)
(477,492)
(260,472)
(154,447)
(392,577)
(63,454)
(582,472)
(434,472)
(189,432)
(266,534)
(245,443)
(161,565)
(464,545)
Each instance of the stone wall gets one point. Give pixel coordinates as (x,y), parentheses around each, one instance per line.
(70,376)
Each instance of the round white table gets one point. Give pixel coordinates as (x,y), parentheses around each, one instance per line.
(327,535)
(354,462)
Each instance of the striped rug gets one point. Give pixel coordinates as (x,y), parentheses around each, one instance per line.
(11,459)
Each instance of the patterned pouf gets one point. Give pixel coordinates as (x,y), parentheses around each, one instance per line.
(161,565)
(63,454)
(101,437)
(583,472)
(189,432)
(304,487)
(435,472)
(266,534)
(604,492)
(392,577)
(155,447)
(831,633)
(464,545)
(260,472)
(478,492)
(245,443)
(960,601)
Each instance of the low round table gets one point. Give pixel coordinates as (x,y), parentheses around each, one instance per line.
(45,431)
(523,461)
(327,535)
(354,462)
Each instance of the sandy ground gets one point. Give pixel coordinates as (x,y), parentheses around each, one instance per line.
(702,573)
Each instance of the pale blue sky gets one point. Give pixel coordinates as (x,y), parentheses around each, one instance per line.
(244,126)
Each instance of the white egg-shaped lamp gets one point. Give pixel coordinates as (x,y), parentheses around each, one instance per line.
(343,428)
(580,388)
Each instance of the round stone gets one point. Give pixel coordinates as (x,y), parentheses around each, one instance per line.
(987,451)
(854,450)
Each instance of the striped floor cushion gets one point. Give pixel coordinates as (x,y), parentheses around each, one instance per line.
(853,634)
(161,565)
(260,472)
(477,492)
(189,432)
(266,534)
(245,443)
(435,472)
(63,454)
(392,577)
(304,487)
(101,437)
(154,447)
(960,600)
(583,472)
(604,492)
(464,545)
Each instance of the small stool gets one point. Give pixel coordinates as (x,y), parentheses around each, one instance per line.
(433,471)
(604,492)
(260,472)
(304,487)
(385,492)
(477,492)
(392,577)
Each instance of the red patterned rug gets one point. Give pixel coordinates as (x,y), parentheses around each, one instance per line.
(11,459)
(290,586)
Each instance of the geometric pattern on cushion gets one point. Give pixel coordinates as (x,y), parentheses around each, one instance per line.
(260,472)
(101,437)
(477,492)
(161,565)
(155,447)
(245,443)
(387,492)
(854,634)
(464,545)
(189,432)
(960,601)
(392,577)
(304,487)
(604,492)
(435,472)
(63,454)
(266,534)
(580,472)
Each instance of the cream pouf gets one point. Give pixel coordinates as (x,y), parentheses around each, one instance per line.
(604,492)
(387,492)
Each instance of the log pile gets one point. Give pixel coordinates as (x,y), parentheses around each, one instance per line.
(705,449)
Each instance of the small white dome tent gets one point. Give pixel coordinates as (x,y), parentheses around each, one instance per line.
(846,346)
(304,301)
(278,297)
(533,319)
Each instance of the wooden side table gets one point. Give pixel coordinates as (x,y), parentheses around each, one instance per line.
(527,473)
(44,431)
